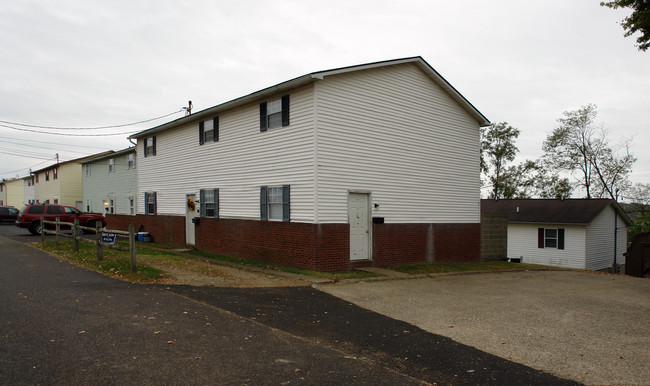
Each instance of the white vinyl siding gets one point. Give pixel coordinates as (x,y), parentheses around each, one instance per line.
(394,132)
(102,186)
(600,241)
(243,160)
(522,244)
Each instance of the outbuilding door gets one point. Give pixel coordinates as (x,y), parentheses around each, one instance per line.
(359,220)
(190,213)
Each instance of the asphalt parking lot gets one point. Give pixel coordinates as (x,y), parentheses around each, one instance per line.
(589,327)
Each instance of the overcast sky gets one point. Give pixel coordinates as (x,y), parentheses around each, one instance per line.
(85,63)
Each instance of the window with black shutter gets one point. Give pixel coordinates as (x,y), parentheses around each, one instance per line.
(274,113)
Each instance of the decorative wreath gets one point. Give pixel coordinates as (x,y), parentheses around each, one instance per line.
(190,204)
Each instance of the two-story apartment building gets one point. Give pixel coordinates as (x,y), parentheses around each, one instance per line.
(375,164)
(15,193)
(60,183)
(110,183)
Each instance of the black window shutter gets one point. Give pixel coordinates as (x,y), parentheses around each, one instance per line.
(540,237)
(216,203)
(215,125)
(285,110)
(560,238)
(263,123)
(153,152)
(201,137)
(202,203)
(263,209)
(146,203)
(155,200)
(145,148)
(286,204)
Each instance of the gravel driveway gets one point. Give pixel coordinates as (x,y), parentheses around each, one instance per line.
(589,327)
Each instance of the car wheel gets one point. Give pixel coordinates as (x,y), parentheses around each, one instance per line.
(36,228)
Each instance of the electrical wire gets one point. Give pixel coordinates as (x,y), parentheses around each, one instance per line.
(31,167)
(47,142)
(69,135)
(91,128)
(46,147)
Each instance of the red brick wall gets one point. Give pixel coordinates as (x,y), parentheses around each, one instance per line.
(168,230)
(322,247)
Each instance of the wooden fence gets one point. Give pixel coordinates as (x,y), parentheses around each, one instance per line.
(77,230)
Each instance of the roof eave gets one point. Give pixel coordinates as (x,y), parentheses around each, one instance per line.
(209,112)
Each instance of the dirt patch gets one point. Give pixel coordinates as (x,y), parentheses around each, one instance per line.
(201,273)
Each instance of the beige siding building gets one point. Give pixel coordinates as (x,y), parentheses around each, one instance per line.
(60,183)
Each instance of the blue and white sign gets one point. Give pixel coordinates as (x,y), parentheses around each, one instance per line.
(108,238)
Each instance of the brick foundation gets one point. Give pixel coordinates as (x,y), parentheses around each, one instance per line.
(322,247)
(168,230)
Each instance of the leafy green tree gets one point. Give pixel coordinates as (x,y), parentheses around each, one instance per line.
(580,148)
(639,209)
(497,149)
(638,21)
(533,179)
(568,147)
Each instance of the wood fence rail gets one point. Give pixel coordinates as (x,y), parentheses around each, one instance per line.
(99,231)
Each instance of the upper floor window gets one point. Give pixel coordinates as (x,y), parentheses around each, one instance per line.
(550,238)
(87,170)
(209,131)
(47,175)
(111,165)
(36,179)
(274,113)
(130,161)
(150,146)
(55,173)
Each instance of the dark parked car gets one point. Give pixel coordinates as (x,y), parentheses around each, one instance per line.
(30,216)
(8,213)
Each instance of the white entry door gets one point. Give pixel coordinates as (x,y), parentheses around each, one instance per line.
(358,212)
(190,238)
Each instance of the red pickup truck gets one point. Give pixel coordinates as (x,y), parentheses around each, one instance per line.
(30,216)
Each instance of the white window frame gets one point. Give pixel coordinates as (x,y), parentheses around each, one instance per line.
(130,161)
(111,206)
(274,113)
(132,206)
(88,205)
(111,165)
(87,170)
(274,192)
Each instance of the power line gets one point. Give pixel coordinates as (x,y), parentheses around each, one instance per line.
(31,167)
(48,142)
(69,135)
(90,128)
(46,147)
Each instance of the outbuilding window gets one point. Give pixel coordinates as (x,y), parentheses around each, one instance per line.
(550,238)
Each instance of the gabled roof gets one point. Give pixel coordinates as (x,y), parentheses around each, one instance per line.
(76,160)
(111,154)
(566,211)
(314,77)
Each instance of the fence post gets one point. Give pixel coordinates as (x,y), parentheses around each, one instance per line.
(134,267)
(98,240)
(75,231)
(57,229)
